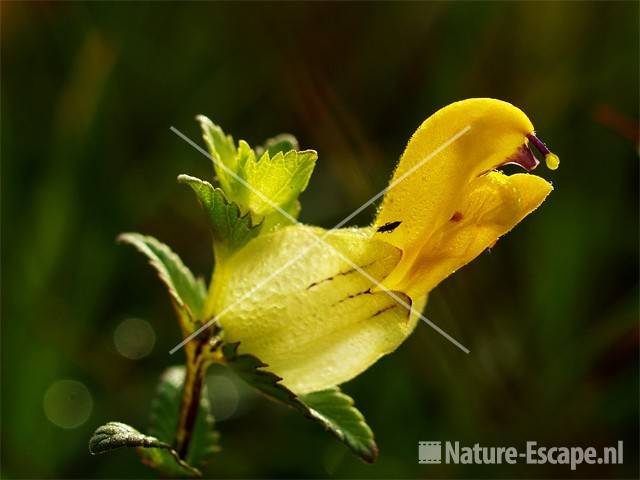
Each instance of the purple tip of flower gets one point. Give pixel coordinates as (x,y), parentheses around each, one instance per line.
(541,147)
(523,157)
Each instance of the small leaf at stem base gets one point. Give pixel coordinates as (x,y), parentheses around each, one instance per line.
(154,452)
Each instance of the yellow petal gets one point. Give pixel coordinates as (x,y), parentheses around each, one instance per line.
(316,324)
(445,162)
(493,204)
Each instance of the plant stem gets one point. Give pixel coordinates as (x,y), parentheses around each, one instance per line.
(191,392)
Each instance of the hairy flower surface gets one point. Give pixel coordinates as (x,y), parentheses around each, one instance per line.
(321,320)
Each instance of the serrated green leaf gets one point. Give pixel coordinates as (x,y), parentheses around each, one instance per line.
(222,148)
(187,292)
(336,412)
(330,408)
(280,143)
(154,452)
(165,408)
(251,370)
(230,229)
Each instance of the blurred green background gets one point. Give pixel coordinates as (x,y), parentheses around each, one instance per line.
(89,92)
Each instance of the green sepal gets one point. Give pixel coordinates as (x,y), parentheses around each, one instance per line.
(331,408)
(187,293)
(231,230)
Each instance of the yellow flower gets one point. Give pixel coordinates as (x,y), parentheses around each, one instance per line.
(456,205)
(321,321)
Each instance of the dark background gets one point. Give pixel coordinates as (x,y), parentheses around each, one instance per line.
(89,92)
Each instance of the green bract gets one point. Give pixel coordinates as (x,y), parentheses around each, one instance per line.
(260,180)
(230,229)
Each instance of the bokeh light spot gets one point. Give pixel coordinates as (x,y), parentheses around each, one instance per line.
(223,395)
(134,338)
(67,403)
